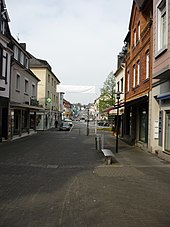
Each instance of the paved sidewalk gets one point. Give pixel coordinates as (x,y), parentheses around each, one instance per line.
(131,155)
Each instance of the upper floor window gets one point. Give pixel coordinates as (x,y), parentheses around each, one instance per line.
(118,86)
(147,65)
(134,76)
(128,81)
(121,84)
(48,78)
(22,58)
(26,86)
(3,23)
(1,61)
(3,64)
(161,26)
(139,31)
(134,38)
(52,81)
(26,62)
(138,73)
(18,82)
(33,90)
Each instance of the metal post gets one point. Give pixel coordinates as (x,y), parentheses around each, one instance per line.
(87,122)
(117,128)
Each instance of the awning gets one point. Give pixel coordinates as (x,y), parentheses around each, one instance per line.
(114,107)
(164,96)
(25,106)
(136,100)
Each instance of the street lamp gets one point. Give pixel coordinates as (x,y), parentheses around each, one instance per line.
(117,126)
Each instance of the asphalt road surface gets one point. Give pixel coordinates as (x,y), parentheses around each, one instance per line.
(55,178)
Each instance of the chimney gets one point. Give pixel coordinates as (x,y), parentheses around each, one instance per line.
(23,45)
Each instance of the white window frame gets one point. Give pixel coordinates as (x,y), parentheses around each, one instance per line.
(134,38)
(134,76)
(161,11)
(139,30)
(138,74)
(128,81)
(147,64)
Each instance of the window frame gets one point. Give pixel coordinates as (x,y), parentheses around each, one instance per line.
(138,30)
(134,76)
(147,61)
(160,11)
(134,38)
(128,81)
(138,72)
(26,86)
(18,82)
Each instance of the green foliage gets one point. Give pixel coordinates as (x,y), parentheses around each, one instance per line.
(107,97)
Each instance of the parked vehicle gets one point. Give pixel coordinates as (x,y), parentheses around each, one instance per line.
(64,126)
(68,121)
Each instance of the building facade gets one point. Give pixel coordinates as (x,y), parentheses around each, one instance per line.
(160,100)
(23,93)
(138,73)
(5,68)
(48,97)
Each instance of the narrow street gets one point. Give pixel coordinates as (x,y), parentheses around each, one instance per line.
(55,178)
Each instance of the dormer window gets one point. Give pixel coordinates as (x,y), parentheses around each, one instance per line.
(3,27)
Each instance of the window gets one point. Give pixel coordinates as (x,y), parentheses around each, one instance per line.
(16,52)
(121,84)
(128,81)
(161,26)
(26,86)
(48,78)
(19,55)
(138,74)
(147,64)
(1,61)
(139,31)
(18,82)
(134,38)
(26,62)
(118,86)
(134,76)
(52,82)
(167,131)
(22,58)
(33,90)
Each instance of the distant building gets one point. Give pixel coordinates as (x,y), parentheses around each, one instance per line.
(47,95)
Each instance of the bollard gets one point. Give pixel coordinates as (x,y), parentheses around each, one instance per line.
(98,142)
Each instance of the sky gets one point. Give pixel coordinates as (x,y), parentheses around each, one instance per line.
(80,39)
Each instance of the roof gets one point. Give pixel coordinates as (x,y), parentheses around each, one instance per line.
(20,46)
(40,63)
